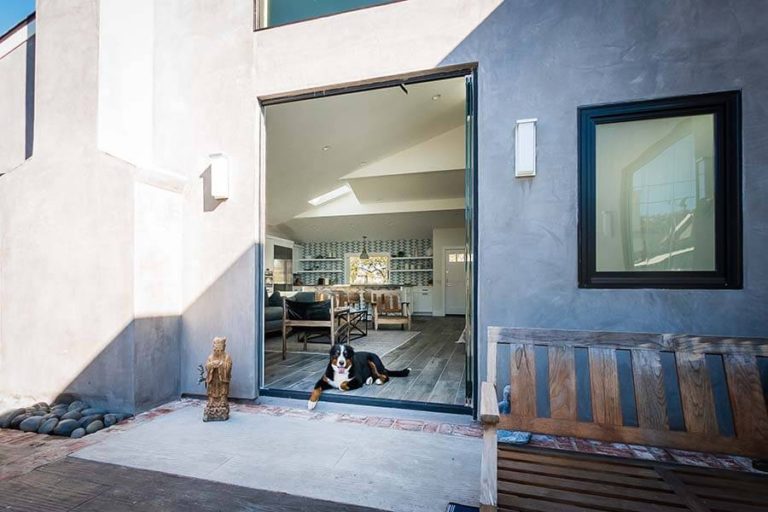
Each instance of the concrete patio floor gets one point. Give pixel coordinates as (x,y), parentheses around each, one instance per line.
(413,461)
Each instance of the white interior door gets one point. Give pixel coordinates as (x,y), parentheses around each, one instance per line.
(455,282)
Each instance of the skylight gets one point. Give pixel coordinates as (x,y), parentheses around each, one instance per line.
(333,194)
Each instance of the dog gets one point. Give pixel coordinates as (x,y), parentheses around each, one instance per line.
(349,370)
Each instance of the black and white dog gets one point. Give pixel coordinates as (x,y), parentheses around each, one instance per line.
(348,370)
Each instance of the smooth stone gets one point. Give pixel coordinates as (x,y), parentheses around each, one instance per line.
(72,415)
(49,416)
(15,422)
(65,427)
(77,433)
(86,420)
(93,410)
(48,425)
(94,427)
(77,404)
(59,411)
(122,416)
(41,405)
(66,398)
(110,419)
(38,412)
(7,417)
(31,424)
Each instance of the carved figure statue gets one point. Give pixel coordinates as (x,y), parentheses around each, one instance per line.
(218,368)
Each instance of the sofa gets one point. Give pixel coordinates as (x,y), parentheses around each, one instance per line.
(273,310)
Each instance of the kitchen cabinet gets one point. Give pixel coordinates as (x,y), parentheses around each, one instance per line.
(422,300)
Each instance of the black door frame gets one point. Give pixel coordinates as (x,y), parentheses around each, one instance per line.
(455,71)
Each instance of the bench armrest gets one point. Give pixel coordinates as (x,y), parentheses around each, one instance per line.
(489,406)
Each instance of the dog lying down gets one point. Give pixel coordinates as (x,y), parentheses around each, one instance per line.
(349,370)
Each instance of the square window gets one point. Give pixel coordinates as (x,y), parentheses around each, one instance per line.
(374,270)
(660,193)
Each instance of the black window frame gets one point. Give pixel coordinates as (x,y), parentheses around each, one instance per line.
(726,107)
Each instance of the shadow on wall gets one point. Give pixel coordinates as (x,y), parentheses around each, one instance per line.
(137,370)
(210,203)
(29,98)
(154,360)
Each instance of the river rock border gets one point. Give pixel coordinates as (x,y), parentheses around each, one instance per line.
(67,418)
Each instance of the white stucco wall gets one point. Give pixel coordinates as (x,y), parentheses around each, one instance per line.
(204,104)
(90,244)
(126,79)
(66,232)
(379,41)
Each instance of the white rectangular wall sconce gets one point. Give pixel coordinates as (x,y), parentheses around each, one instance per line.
(219,176)
(525,148)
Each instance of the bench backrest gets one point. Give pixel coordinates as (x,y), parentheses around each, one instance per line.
(680,391)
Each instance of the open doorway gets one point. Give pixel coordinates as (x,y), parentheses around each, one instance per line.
(370,192)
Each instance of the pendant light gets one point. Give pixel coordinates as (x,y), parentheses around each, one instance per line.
(364,254)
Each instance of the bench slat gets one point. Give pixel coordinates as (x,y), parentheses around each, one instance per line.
(649,384)
(746,393)
(671,439)
(562,383)
(606,405)
(696,393)
(522,380)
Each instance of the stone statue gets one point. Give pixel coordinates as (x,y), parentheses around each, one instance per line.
(218,368)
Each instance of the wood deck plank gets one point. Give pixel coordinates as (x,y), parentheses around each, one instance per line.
(608,466)
(602,489)
(581,499)
(545,480)
(583,474)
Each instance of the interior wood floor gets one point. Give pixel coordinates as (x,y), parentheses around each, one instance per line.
(436,362)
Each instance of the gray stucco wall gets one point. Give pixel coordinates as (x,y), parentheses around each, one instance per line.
(543,59)
(15,68)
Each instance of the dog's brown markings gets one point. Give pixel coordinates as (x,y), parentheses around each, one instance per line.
(344,385)
(315,396)
(376,375)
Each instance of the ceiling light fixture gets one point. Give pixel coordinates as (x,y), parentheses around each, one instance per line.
(436,97)
(326,148)
(364,254)
(333,194)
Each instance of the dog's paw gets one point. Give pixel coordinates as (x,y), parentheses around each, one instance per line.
(379,381)
(369,381)
(311,405)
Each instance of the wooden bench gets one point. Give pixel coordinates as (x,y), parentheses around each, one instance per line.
(677,391)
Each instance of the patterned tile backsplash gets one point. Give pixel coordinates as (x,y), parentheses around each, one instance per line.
(338,250)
